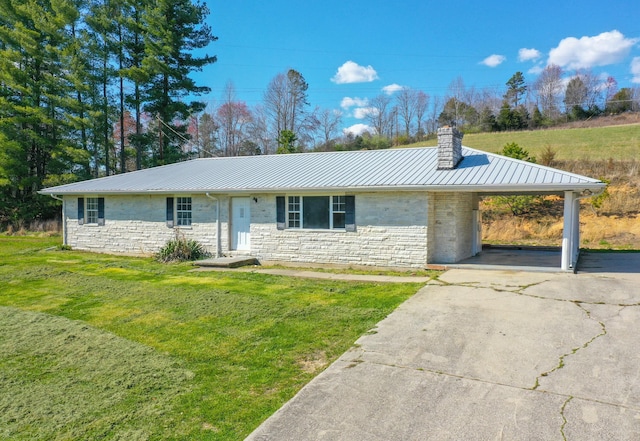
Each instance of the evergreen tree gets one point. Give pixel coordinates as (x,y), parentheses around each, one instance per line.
(174,28)
(35,101)
(516,88)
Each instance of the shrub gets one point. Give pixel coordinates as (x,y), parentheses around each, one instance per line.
(181,249)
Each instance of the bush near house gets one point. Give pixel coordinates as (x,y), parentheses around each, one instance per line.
(181,249)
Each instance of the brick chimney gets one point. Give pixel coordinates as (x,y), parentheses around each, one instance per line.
(449,148)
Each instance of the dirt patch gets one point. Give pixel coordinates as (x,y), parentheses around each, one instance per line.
(313,363)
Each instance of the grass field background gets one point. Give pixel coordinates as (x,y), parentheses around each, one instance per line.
(120,348)
(592,143)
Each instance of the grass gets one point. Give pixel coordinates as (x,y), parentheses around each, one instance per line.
(594,143)
(107,347)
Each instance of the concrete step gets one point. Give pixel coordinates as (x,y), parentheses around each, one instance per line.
(227,262)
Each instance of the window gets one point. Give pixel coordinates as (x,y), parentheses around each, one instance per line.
(92,210)
(317,212)
(338,211)
(294,212)
(183,211)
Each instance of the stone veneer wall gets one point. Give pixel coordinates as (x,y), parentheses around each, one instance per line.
(451,226)
(391,231)
(137,224)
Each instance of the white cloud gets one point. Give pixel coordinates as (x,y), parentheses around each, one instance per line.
(493,60)
(348,102)
(536,70)
(601,50)
(392,88)
(635,70)
(358,129)
(363,112)
(525,54)
(351,72)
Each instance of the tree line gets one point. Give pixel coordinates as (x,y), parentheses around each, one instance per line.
(72,71)
(548,101)
(90,89)
(285,121)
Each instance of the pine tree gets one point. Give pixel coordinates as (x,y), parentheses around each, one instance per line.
(174,28)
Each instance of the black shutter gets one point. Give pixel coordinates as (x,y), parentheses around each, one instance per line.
(350,213)
(80,211)
(170,212)
(281,213)
(100,211)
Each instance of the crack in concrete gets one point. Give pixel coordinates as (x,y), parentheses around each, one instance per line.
(358,360)
(564,418)
(574,350)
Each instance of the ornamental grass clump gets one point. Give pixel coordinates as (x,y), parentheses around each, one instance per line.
(181,249)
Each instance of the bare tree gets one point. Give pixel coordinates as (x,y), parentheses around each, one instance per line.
(432,121)
(422,103)
(328,122)
(635,97)
(611,88)
(285,100)
(380,115)
(232,117)
(548,88)
(593,86)
(260,132)
(407,102)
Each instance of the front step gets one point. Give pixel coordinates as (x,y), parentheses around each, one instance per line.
(227,262)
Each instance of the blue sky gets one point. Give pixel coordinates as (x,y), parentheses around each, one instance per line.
(350,51)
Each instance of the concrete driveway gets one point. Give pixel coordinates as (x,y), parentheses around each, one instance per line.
(487,355)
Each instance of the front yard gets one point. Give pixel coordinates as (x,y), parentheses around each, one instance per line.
(120,348)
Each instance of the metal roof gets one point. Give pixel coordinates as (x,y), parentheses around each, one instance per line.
(394,169)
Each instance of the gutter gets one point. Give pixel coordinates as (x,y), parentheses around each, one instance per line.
(218,227)
(595,187)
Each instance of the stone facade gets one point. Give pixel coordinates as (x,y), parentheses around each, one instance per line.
(137,225)
(449,148)
(451,226)
(393,229)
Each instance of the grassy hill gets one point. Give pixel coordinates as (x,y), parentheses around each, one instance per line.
(594,143)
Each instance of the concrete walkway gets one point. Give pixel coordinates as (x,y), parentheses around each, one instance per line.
(487,355)
(290,272)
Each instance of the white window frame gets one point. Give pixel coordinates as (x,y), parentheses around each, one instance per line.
(183,211)
(295,211)
(91,210)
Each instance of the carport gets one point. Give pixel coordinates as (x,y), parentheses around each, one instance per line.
(543,257)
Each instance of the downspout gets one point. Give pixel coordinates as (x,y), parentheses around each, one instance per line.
(218,229)
(64,219)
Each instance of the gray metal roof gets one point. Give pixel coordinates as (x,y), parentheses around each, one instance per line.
(394,169)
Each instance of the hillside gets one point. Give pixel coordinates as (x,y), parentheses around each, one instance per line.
(605,148)
(607,138)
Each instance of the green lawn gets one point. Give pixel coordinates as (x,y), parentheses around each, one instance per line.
(617,142)
(119,348)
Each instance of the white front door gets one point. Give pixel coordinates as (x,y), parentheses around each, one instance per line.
(240,224)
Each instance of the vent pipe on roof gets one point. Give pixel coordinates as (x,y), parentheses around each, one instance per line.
(449,148)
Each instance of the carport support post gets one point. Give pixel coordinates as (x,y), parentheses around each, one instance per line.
(575,240)
(568,230)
